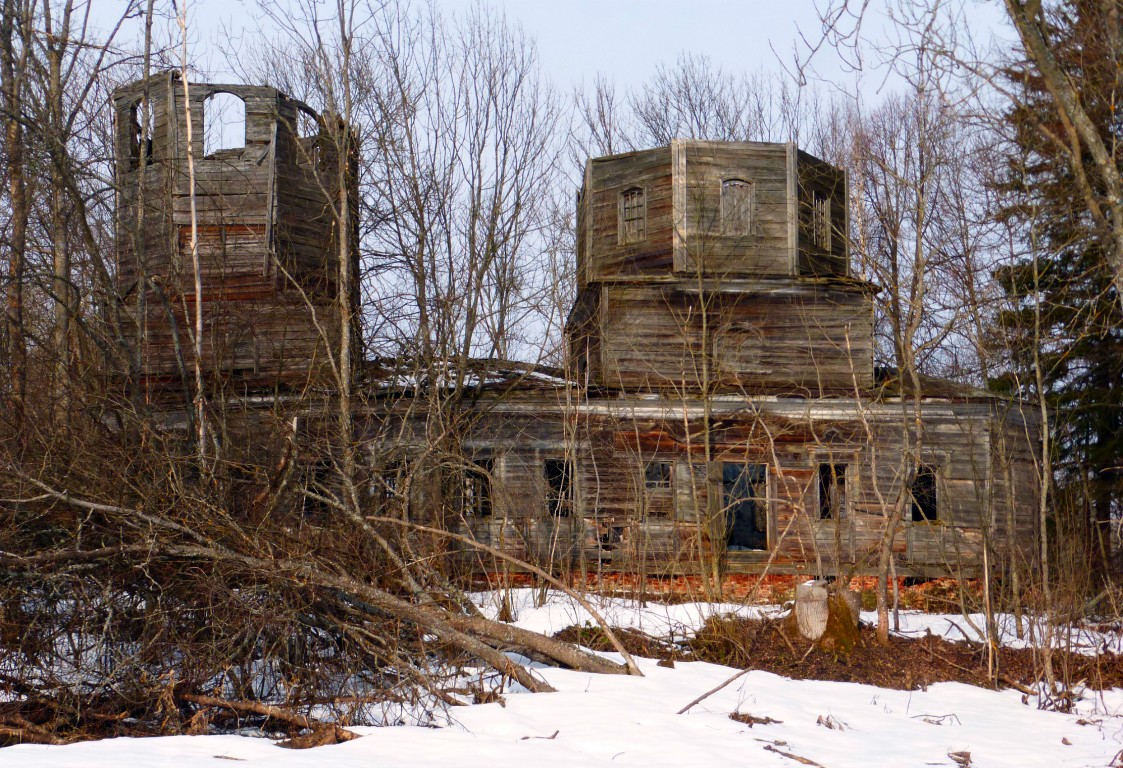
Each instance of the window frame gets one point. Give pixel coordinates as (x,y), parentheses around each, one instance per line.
(140,144)
(662,478)
(832,508)
(206,134)
(761,499)
(742,224)
(628,235)
(924,503)
(560,496)
(821,226)
(477,499)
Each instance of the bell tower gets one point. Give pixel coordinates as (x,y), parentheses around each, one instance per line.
(270,192)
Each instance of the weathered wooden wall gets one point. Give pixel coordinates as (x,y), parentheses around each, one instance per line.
(794,337)
(817,178)
(621,523)
(696,307)
(266,234)
(603,255)
(704,247)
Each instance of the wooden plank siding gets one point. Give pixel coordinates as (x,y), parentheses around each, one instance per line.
(815,178)
(764,309)
(682,186)
(783,336)
(719,357)
(608,178)
(620,523)
(708,249)
(267,243)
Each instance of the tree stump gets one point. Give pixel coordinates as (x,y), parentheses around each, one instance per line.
(811,609)
(854,602)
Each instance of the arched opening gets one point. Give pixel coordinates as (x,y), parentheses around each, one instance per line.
(224,123)
(141,121)
(307,135)
(307,123)
(737,207)
(632,215)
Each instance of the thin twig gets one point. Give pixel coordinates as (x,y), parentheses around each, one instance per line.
(712,691)
(790,756)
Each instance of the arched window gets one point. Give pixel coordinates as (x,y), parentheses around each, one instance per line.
(307,132)
(736,207)
(224,123)
(141,121)
(307,124)
(632,224)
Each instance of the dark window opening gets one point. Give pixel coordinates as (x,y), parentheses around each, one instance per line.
(657,474)
(736,207)
(832,491)
(633,216)
(140,134)
(924,506)
(745,495)
(610,536)
(559,487)
(388,488)
(477,489)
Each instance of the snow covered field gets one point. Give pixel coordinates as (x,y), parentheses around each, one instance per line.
(624,721)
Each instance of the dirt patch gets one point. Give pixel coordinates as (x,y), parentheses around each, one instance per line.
(905,664)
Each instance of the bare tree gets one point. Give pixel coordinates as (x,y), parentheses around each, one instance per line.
(15,51)
(691,99)
(901,177)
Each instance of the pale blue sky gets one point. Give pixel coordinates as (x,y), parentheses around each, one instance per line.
(625,39)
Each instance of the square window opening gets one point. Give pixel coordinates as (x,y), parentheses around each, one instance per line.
(657,474)
(832,491)
(477,488)
(925,507)
(559,487)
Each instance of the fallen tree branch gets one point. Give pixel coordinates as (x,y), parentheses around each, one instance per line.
(457,629)
(270,711)
(21,731)
(629,662)
(790,756)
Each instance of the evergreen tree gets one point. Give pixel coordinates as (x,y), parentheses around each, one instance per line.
(1066,281)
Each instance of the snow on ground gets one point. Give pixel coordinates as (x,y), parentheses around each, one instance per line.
(613,720)
(674,622)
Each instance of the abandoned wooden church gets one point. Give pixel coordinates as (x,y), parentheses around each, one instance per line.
(720,410)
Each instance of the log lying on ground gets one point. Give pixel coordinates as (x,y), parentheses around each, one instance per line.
(337,733)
